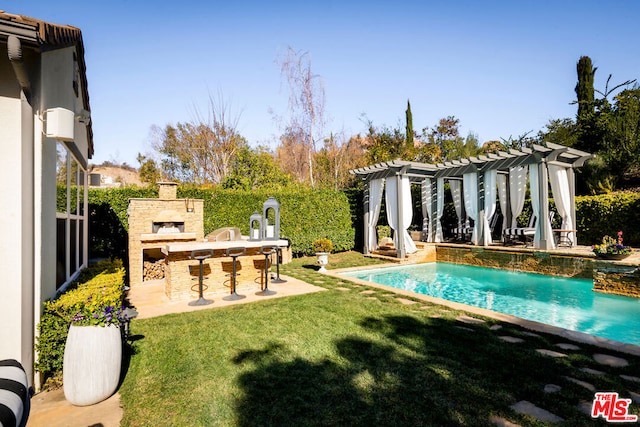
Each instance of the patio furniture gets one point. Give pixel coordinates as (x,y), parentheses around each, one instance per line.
(278,262)
(563,237)
(15,394)
(234,253)
(463,231)
(201,255)
(523,233)
(267,251)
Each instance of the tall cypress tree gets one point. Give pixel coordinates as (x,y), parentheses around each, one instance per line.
(409,128)
(584,88)
(587,138)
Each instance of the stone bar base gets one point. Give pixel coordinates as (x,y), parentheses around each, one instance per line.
(181,281)
(181,272)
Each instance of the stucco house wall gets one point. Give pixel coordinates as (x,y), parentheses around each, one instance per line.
(30,258)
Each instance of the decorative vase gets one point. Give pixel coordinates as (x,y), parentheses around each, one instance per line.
(611,256)
(92,363)
(323,260)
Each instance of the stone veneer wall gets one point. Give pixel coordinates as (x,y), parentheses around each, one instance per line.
(527,261)
(181,281)
(616,278)
(609,277)
(141,214)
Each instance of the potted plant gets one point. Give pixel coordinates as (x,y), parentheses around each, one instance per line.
(93,353)
(611,248)
(322,248)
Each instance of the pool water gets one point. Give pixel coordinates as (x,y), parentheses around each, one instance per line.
(558,301)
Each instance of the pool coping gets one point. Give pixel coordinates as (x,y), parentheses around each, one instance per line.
(575,336)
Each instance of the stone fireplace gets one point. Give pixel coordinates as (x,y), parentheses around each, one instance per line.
(154,223)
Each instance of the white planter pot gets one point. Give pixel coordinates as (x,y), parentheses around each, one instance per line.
(323,259)
(92,363)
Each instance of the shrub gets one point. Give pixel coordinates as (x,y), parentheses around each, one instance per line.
(322,245)
(100,285)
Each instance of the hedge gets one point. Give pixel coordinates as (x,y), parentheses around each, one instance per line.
(305,215)
(607,214)
(99,285)
(308,215)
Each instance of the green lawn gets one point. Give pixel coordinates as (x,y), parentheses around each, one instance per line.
(348,358)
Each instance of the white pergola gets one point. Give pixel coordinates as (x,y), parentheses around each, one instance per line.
(477,179)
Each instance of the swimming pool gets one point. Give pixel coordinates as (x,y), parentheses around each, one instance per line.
(558,301)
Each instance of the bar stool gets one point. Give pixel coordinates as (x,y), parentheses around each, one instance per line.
(201,255)
(234,253)
(267,251)
(278,262)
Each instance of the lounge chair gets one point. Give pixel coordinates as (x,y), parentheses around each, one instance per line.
(463,232)
(525,234)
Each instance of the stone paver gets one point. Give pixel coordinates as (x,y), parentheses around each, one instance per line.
(495,328)
(469,320)
(465,329)
(528,408)
(567,346)
(552,388)
(635,397)
(343,289)
(592,371)
(550,353)
(630,378)
(51,409)
(510,339)
(368,292)
(584,384)
(608,360)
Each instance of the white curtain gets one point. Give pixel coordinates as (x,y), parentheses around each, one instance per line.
(536,208)
(517,187)
(391,198)
(470,188)
(455,185)
(375,201)
(489,204)
(503,197)
(439,208)
(562,196)
(427,209)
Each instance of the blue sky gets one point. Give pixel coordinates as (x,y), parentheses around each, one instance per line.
(503,68)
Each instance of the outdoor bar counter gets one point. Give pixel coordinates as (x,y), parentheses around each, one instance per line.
(181,271)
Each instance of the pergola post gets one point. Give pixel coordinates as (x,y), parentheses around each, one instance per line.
(401,250)
(434,209)
(543,186)
(365,198)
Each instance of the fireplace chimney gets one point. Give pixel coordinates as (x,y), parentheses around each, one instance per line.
(168,190)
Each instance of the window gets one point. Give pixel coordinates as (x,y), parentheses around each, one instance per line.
(71,218)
